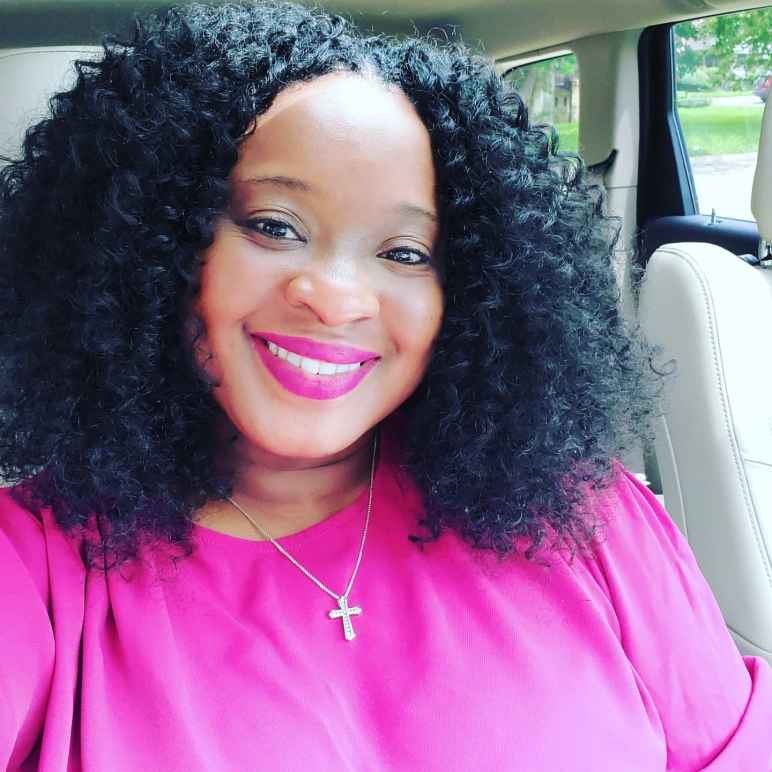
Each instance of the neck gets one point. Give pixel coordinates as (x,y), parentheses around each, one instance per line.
(287,497)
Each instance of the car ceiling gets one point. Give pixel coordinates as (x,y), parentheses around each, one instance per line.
(500,28)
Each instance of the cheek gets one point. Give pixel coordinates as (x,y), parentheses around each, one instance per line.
(234,281)
(225,297)
(415,318)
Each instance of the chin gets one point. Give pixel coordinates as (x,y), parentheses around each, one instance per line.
(302,444)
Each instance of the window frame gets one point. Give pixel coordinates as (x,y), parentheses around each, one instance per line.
(663,160)
(539,58)
(666,207)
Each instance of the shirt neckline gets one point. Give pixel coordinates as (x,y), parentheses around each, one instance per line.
(334,521)
(388,453)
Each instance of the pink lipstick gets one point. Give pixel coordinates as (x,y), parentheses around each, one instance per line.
(298,380)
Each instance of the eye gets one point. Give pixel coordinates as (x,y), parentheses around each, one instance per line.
(407,256)
(273,228)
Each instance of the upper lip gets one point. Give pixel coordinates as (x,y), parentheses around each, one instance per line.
(337,353)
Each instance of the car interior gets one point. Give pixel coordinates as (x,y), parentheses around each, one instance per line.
(667,103)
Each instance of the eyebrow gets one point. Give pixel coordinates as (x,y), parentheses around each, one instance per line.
(411,209)
(292,183)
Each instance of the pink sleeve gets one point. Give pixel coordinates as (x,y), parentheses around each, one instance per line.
(26,635)
(714,704)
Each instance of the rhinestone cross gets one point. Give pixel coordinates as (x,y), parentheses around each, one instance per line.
(345,613)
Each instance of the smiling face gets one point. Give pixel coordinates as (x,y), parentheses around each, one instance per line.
(320,295)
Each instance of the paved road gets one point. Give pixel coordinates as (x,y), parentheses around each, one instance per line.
(743,100)
(724,183)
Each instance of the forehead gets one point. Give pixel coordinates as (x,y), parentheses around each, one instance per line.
(345,129)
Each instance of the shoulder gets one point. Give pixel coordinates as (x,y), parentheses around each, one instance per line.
(23,553)
(42,575)
(644,568)
(633,519)
(27,647)
(640,557)
(674,634)
(670,623)
(33,546)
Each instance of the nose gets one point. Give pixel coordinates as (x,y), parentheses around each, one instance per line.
(335,290)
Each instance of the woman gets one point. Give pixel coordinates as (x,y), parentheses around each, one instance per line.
(314,392)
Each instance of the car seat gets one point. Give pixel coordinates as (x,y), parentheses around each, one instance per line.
(709,309)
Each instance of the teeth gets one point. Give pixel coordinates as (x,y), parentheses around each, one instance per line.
(312,366)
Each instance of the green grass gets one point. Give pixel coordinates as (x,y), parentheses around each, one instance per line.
(714,94)
(569,136)
(708,130)
(721,130)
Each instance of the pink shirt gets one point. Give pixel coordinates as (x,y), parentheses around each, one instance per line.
(230,662)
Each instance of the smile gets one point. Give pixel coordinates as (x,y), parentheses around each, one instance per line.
(308,365)
(308,377)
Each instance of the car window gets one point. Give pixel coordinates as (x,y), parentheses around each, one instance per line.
(723,76)
(550,90)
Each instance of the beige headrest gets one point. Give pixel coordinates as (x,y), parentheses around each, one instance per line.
(761,200)
(28,78)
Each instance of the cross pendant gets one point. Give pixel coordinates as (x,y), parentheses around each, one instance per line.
(344,612)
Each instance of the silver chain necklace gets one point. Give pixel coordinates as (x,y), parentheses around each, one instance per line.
(344,611)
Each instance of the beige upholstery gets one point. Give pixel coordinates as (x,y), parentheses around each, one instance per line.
(761,200)
(28,77)
(712,312)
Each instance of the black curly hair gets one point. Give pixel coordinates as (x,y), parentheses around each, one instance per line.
(537,383)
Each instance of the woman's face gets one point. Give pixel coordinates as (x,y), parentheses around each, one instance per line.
(328,250)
